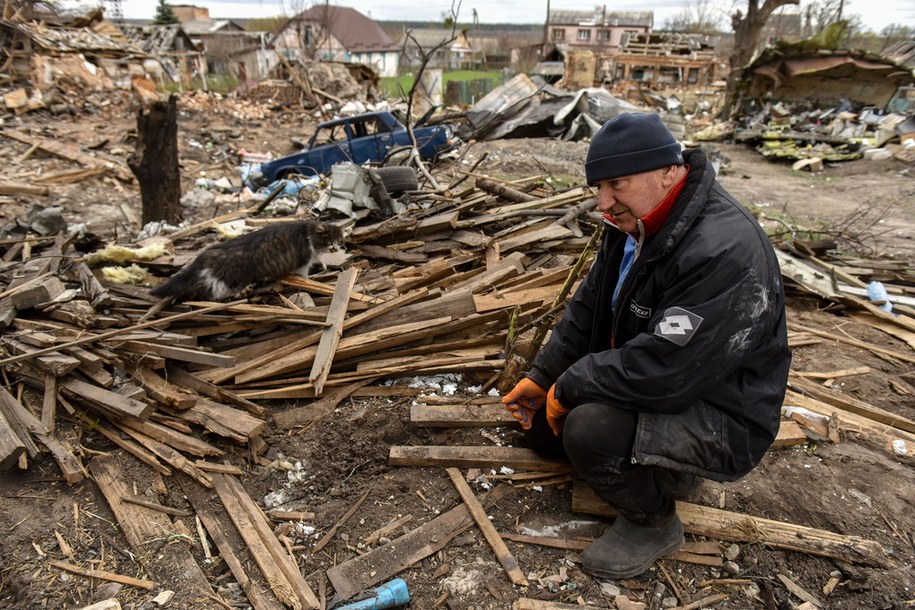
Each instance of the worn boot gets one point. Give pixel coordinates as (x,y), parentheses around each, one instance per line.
(627,549)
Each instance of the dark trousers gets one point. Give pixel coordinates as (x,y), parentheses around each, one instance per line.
(597,439)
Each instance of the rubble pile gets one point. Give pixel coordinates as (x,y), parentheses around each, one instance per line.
(464,281)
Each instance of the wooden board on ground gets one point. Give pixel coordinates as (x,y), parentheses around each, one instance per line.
(461,415)
(735,527)
(146,530)
(280,570)
(384,562)
(518,458)
(231,547)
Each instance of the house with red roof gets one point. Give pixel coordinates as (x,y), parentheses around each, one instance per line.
(338,33)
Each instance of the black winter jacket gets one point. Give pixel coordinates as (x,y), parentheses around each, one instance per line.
(698,345)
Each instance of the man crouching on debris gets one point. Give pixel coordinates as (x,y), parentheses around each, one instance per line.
(671,360)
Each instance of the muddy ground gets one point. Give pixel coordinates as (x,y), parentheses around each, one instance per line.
(855,487)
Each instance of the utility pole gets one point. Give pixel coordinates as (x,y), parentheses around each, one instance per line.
(546,29)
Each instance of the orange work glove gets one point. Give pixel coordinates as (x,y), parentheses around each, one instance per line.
(524,400)
(555,412)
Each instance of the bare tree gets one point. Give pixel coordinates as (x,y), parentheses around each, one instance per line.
(425,56)
(747,28)
(699,17)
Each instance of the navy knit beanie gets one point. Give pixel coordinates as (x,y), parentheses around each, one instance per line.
(631,143)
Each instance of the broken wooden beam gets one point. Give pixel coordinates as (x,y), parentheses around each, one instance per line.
(277,566)
(330,336)
(736,527)
(518,458)
(506,559)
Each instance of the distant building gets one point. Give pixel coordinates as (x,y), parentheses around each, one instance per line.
(452,49)
(220,39)
(337,33)
(599,30)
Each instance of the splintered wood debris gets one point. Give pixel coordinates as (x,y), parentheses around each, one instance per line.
(429,291)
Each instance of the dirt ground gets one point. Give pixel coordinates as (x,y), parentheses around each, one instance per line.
(854,487)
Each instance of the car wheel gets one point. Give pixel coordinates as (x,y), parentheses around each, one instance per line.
(397,179)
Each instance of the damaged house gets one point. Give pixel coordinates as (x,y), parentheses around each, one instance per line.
(662,60)
(825,78)
(802,102)
(335,33)
(51,61)
(176,52)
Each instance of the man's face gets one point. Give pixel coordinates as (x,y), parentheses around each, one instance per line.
(629,198)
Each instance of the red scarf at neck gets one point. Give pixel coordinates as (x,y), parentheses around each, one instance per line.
(653,220)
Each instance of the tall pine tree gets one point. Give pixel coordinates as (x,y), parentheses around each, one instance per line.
(164,14)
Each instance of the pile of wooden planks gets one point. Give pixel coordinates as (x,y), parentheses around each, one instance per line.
(428,291)
(451,286)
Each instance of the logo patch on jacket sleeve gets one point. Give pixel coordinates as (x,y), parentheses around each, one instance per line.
(678,325)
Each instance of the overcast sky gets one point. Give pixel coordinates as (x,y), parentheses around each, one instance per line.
(875,14)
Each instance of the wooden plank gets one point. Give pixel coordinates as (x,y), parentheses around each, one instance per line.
(550,232)
(315,287)
(97,294)
(330,336)
(230,544)
(461,415)
(691,552)
(319,408)
(11,446)
(220,468)
(518,458)
(848,341)
(254,527)
(736,527)
(506,559)
(384,562)
(90,338)
(21,188)
(854,405)
(103,575)
(161,390)
(195,356)
(146,529)
(789,434)
(348,347)
(168,510)
(171,437)
(133,449)
(852,421)
(204,388)
(281,350)
(49,404)
(170,456)
(69,464)
(509,299)
(223,420)
(110,402)
(71,153)
(887,327)
(55,363)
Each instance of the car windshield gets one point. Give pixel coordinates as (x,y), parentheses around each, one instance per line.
(326,135)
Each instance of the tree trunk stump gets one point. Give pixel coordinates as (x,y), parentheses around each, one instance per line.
(155,162)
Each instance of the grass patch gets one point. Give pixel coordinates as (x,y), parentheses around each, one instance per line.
(389,85)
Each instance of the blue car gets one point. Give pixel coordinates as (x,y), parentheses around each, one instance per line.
(364,138)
